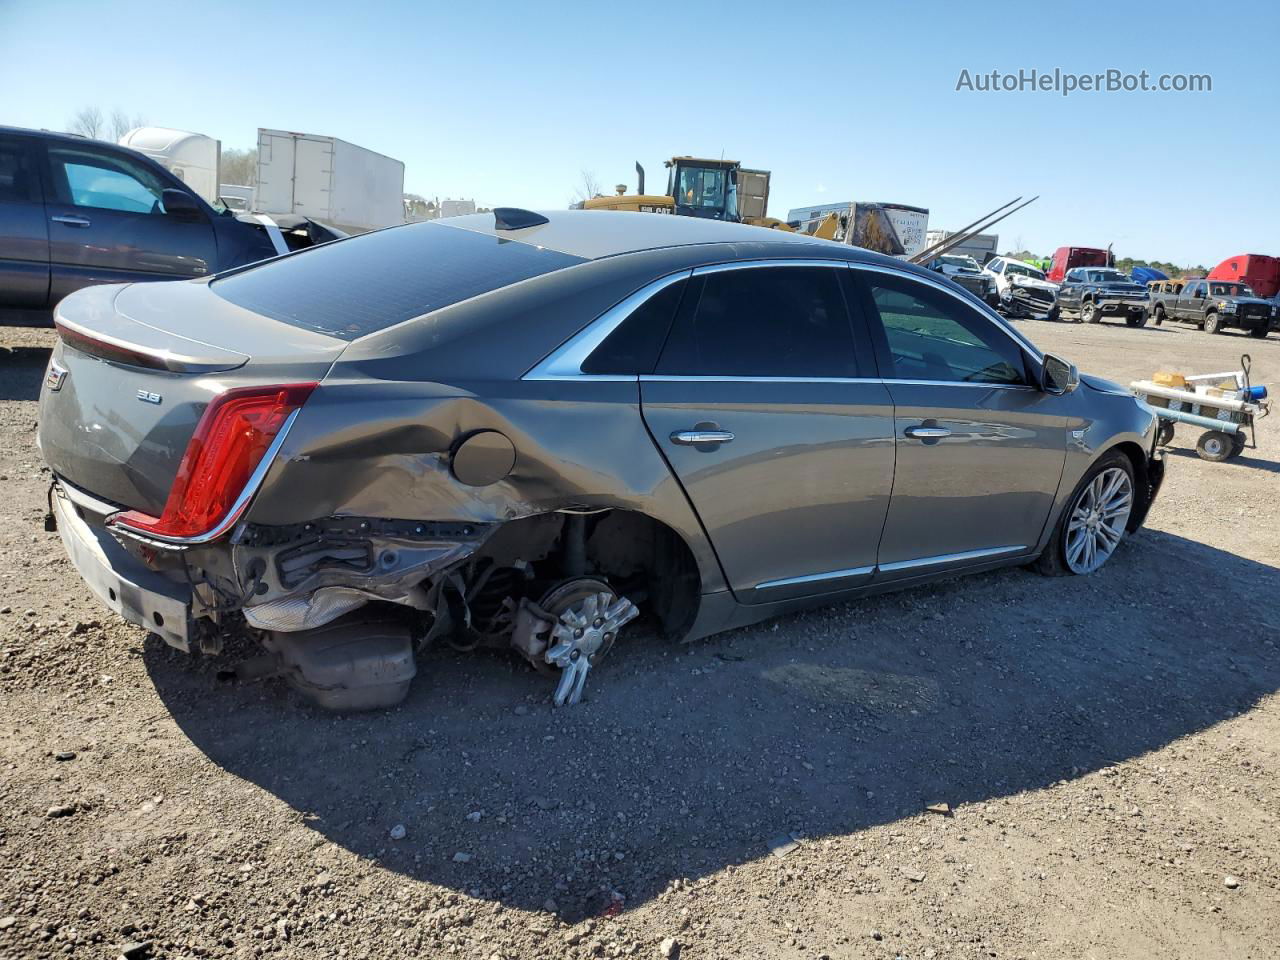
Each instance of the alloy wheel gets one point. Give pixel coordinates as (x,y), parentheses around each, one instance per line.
(1097,520)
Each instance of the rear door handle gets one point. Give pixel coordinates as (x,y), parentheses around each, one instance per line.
(689,438)
(70,221)
(927,433)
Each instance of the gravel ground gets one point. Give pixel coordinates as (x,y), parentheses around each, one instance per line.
(1107,750)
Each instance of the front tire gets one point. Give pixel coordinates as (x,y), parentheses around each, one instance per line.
(1089,312)
(1094,521)
(1212,322)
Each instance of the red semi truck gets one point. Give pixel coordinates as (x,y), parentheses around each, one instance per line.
(1067,258)
(1261,273)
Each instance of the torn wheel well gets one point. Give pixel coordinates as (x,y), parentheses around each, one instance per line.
(641,558)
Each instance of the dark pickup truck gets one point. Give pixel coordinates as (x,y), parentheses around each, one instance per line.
(1213,305)
(74,212)
(1092,293)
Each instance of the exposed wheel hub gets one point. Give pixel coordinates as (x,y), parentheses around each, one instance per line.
(588,617)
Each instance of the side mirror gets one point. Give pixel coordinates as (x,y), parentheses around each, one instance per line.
(1057,376)
(180,204)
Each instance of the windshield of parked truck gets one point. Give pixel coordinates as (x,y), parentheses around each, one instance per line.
(1231,290)
(1023,270)
(1107,276)
(964,263)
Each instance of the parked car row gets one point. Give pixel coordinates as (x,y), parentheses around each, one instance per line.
(1213,306)
(1090,294)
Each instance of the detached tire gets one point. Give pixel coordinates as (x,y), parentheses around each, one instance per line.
(1259,333)
(1215,446)
(1136,319)
(1212,322)
(1159,314)
(1054,561)
(1089,312)
(1052,315)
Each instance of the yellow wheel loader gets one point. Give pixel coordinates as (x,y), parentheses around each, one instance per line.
(696,187)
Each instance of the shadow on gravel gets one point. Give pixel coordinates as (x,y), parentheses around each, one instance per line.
(1248,459)
(21,372)
(685,760)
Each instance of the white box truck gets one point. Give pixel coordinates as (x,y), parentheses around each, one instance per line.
(329,180)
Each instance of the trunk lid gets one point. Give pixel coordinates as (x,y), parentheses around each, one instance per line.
(133,370)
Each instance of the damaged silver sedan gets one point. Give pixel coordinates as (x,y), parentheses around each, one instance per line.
(545,432)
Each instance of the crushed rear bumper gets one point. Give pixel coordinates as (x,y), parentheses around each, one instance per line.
(140,595)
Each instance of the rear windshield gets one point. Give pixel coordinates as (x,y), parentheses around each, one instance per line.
(367,283)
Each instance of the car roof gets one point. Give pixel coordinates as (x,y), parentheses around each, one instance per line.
(52,135)
(595,234)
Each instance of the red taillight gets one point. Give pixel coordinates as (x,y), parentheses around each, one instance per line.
(235,431)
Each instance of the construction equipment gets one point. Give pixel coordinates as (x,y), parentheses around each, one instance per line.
(1224,405)
(894,229)
(697,187)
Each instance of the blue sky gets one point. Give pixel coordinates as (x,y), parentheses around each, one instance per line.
(508,102)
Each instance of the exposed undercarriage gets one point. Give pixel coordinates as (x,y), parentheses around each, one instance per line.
(340,603)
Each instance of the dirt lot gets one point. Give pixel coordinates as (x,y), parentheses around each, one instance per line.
(1109,748)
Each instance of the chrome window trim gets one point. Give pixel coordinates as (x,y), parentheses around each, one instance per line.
(980,308)
(964,383)
(724,378)
(817,577)
(565,362)
(757,264)
(948,558)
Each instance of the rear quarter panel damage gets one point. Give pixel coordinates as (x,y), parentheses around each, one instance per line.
(383,450)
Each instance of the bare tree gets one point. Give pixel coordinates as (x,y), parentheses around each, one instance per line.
(587,188)
(121,124)
(240,166)
(87,122)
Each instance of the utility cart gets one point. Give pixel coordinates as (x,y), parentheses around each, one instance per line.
(1225,405)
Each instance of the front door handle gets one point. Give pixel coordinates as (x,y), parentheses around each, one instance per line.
(927,433)
(70,221)
(691,438)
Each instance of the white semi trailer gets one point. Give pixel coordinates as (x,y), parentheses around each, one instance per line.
(191,157)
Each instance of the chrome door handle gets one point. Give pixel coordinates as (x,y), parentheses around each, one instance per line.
(70,221)
(689,438)
(927,433)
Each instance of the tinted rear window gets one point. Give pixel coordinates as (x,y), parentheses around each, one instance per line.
(368,283)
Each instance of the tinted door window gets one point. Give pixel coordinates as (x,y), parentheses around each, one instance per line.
(634,345)
(762,322)
(933,336)
(100,181)
(18,180)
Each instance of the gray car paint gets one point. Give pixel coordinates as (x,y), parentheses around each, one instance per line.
(375,439)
